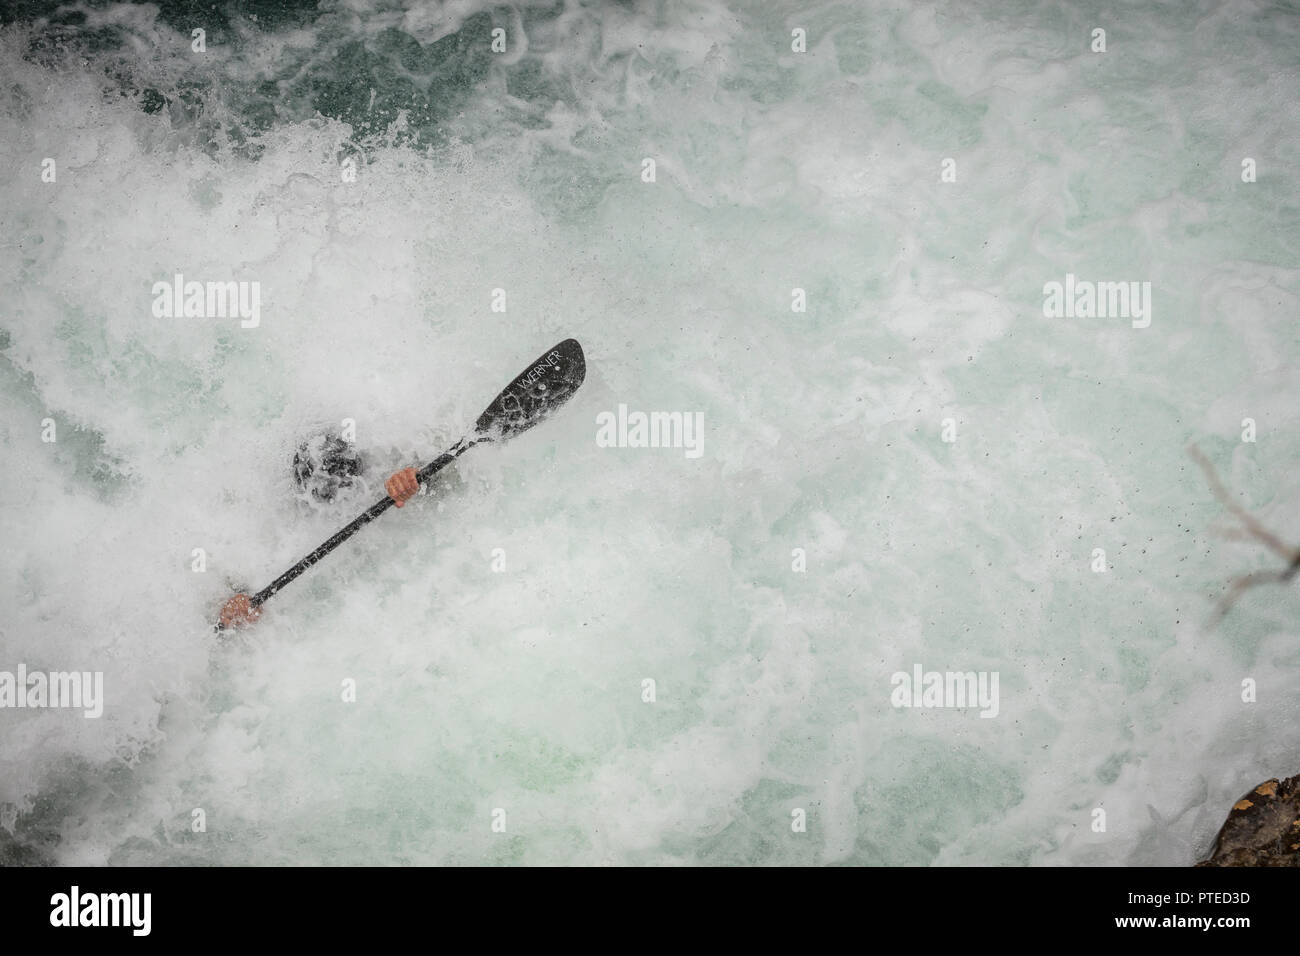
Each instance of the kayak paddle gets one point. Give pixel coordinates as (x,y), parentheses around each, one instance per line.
(543,387)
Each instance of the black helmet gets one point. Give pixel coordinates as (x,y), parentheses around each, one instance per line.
(325,463)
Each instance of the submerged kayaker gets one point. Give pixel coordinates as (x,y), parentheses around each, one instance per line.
(322,467)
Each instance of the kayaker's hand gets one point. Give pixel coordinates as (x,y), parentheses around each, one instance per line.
(239,612)
(402,486)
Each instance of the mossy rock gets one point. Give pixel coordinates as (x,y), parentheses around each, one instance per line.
(1263,828)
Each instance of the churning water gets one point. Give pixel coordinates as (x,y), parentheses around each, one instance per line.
(389,181)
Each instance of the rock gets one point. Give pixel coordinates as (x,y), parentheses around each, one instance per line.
(1263,828)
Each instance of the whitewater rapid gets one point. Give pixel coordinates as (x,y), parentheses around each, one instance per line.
(498,633)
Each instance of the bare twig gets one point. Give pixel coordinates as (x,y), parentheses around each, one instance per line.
(1251,529)
(1233,534)
(1258,531)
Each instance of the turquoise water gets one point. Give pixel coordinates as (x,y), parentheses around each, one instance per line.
(521,690)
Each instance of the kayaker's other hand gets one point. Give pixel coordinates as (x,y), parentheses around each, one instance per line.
(239,612)
(402,486)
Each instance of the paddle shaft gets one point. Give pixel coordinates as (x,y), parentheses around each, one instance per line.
(541,388)
(363,519)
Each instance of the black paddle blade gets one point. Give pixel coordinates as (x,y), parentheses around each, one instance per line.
(543,387)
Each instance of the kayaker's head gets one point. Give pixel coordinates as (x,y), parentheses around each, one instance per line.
(324,464)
